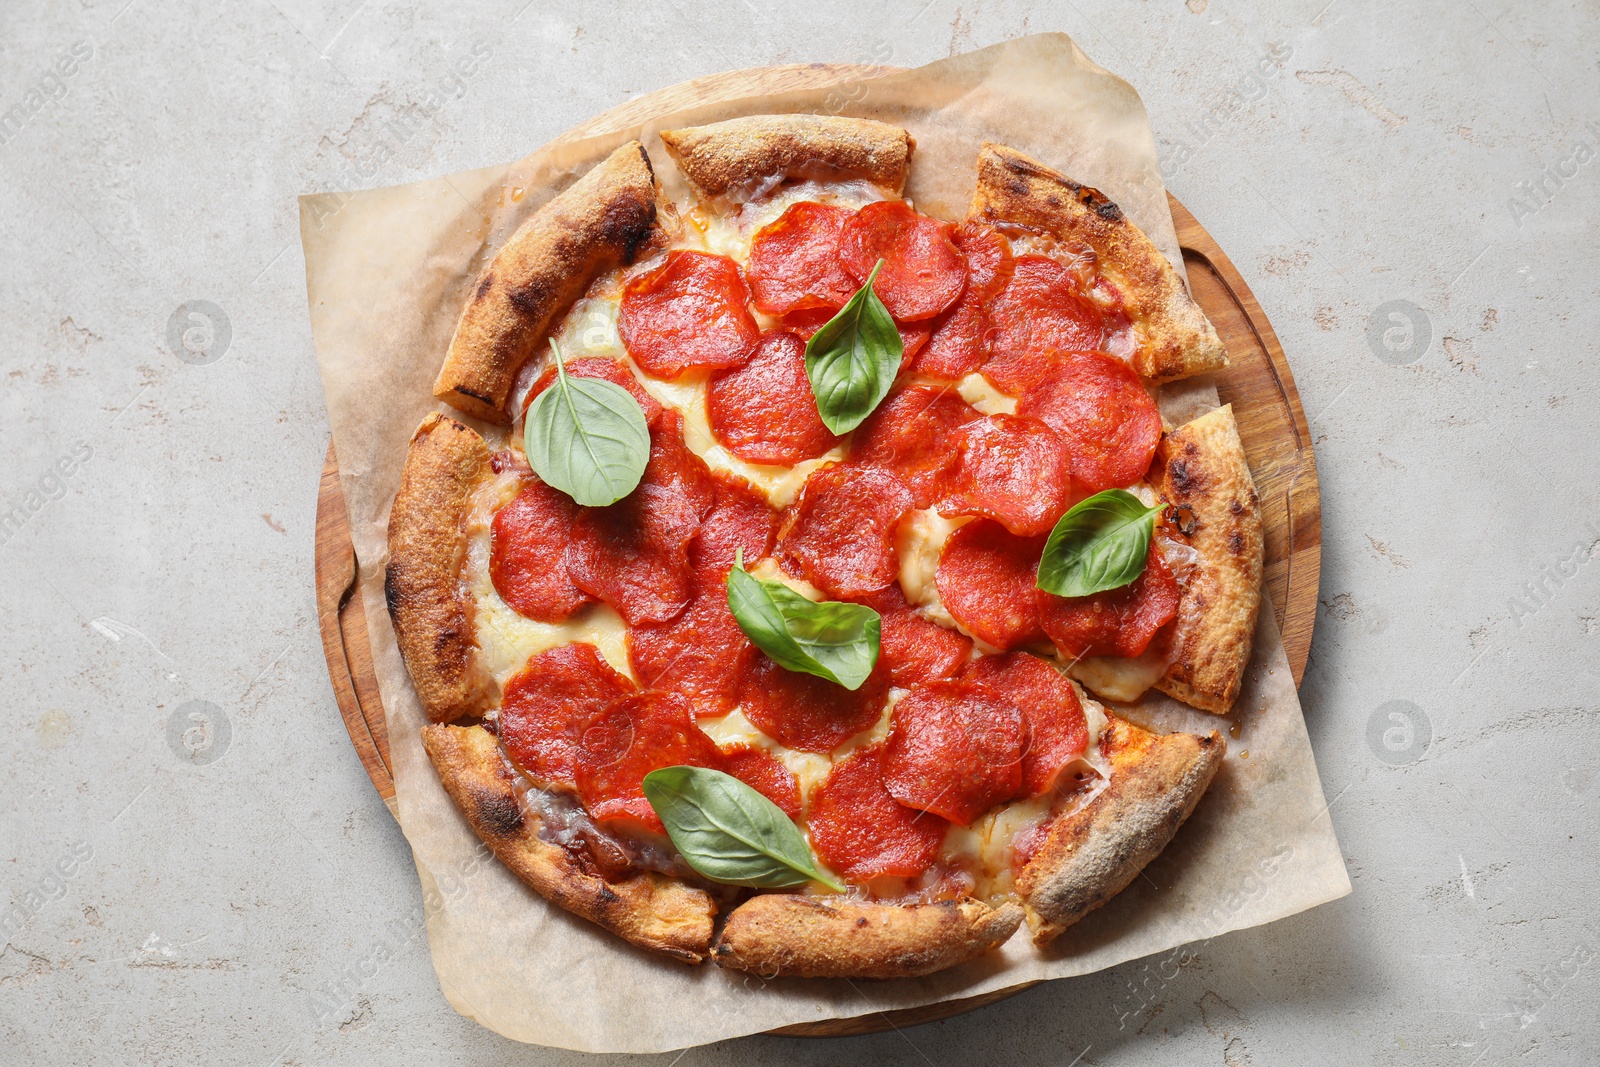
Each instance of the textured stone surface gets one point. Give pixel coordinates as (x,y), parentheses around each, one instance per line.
(262,907)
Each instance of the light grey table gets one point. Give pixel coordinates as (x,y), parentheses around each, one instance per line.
(195,866)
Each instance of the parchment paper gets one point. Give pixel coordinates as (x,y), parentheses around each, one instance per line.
(386,274)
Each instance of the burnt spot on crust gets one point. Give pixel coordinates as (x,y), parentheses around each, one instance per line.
(464,391)
(1236,543)
(1184,479)
(392,596)
(1236,508)
(485,284)
(606,896)
(498,811)
(532,298)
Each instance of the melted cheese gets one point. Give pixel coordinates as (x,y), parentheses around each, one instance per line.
(919,540)
(981,393)
(1118,678)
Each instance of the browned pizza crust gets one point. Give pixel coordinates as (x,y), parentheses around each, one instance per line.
(1201,467)
(737,155)
(818,937)
(1175,339)
(1093,853)
(646,908)
(432,615)
(604,219)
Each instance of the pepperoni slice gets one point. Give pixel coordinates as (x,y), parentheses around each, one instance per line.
(861,831)
(764,411)
(840,534)
(955,749)
(1052,717)
(629,739)
(913,335)
(1011,468)
(1118,622)
(702,653)
(806,712)
(923,270)
(794,261)
(612,370)
(910,434)
(1103,412)
(960,344)
(528,542)
(913,649)
(547,704)
(739,518)
(634,554)
(691,311)
(757,768)
(985,581)
(1039,313)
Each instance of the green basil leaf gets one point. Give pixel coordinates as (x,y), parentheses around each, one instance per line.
(587,437)
(852,361)
(729,832)
(1100,544)
(829,639)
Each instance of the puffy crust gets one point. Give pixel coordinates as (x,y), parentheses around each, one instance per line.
(1176,339)
(604,219)
(1093,853)
(648,909)
(734,156)
(816,937)
(1201,467)
(433,616)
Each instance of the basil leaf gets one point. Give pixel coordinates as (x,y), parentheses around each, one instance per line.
(852,361)
(831,640)
(729,832)
(1100,544)
(587,437)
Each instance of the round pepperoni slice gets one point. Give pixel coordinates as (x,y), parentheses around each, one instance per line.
(702,653)
(861,831)
(612,370)
(1102,410)
(739,518)
(794,261)
(691,311)
(923,270)
(1056,732)
(629,739)
(634,554)
(985,581)
(910,434)
(757,768)
(840,534)
(528,542)
(1011,468)
(955,749)
(1118,622)
(547,704)
(960,344)
(913,649)
(1039,313)
(764,411)
(806,712)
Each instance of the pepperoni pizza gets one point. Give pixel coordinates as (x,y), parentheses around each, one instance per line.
(974,776)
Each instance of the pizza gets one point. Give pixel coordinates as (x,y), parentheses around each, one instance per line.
(823,627)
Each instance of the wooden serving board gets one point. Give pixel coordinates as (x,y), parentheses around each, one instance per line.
(1258,384)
